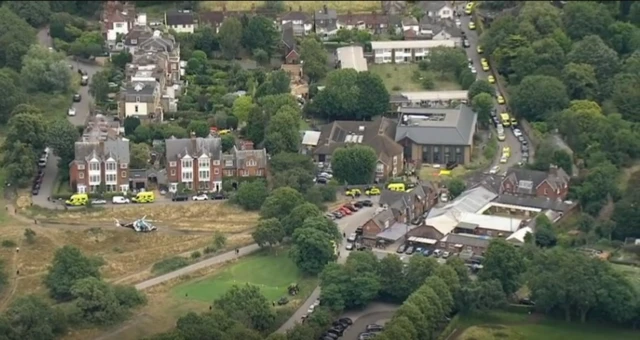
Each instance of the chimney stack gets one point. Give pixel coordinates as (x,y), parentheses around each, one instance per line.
(193,141)
(326,10)
(553,169)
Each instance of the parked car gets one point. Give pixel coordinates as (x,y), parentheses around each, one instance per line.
(367,203)
(77,97)
(352,237)
(200,197)
(366,336)
(374,327)
(349,246)
(338,214)
(410,250)
(345,321)
(330,216)
(218,196)
(401,249)
(351,207)
(527,301)
(120,200)
(359,230)
(446,255)
(345,211)
(426,252)
(358,204)
(437,253)
(72,111)
(179,197)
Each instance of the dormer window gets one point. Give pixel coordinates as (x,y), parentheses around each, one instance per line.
(228,163)
(251,162)
(137,99)
(94,165)
(110,165)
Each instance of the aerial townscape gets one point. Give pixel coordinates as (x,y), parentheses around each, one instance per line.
(302,170)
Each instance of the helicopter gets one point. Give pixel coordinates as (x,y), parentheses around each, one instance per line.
(141,225)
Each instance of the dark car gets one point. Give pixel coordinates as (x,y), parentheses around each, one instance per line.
(374,327)
(77,97)
(84,81)
(521,139)
(359,230)
(366,336)
(410,250)
(321,180)
(417,221)
(401,249)
(367,203)
(358,204)
(330,335)
(346,321)
(337,214)
(336,331)
(177,198)
(217,196)
(35,191)
(465,43)
(524,142)
(524,148)
(361,247)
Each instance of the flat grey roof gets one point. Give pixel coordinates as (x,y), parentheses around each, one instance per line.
(396,231)
(432,126)
(352,57)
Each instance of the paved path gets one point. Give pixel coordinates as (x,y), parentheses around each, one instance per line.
(347,225)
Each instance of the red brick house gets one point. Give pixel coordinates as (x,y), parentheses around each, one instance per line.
(553,184)
(100,164)
(290,46)
(199,163)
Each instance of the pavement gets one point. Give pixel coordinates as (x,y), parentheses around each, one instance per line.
(82,113)
(511,141)
(346,225)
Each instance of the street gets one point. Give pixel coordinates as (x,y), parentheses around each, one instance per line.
(511,141)
(82,113)
(374,313)
(346,225)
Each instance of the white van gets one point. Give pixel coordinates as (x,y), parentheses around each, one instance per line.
(120,200)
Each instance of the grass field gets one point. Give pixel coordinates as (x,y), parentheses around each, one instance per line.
(400,77)
(273,273)
(501,325)
(307,6)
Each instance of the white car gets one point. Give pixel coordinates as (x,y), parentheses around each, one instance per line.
(72,111)
(517,133)
(504,159)
(494,170)
(458,23)
(98,202)
(352,237)
(473,70)
(325,175)
(201,197)
(120,200)
(446,255)
(349,246)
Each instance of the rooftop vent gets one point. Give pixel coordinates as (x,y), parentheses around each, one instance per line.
(157,34)
(138,87)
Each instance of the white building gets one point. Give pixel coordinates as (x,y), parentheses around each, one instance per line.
(385,52)
(352,57)
(181,21)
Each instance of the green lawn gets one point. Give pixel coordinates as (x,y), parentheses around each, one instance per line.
(501,325)
(272,273)
(400,77)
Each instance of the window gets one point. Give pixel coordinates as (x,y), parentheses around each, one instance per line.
(173,172)
(216,171)
(172,164)
(111,187)
(216,162)
(94,179)
(137,100)
(119,25)
(134,41)
(187,176)
(135,108)
(204,175)
(124,174)
(395,160)
(187,163)
(110,178)
(426,154)
(228,163)
(259,173)
(447,154)
(204,163)
(94,166)
(110,166)
(436,155)
(459,156)
(228,173)
(124,187)
(245,173)
(81,175)
(546,192)
(251,162)
(407,50)
(184,26)
(379,168)
(80,166)
(123,165)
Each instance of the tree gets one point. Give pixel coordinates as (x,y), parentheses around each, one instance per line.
(354,164)
(418,269)
(99,86)
(97,301)
(29,128)
(323,224)
(30,317)
(277,82)
(392,287)
(199,127)
(268,233)
(45,71)
(36,13)
(591,50)
(447,60)
(12,93)
(283,132)
(16,37)
(373,98)
(260,33)
(89,44)
(251,195)
(482,296)
(61,137)
(130,124)
(230,37)
(480,86)
(280,203)
(30,236)
(18,161)
(311,250)
(139,156)
(242,106)
(247,305)
(580,80)
(69,265)
(586,18)
(456,186)
(298,216)
(625,37)
(626,95)
(121,59)
(504,263)
(314,58)
(296,178)
(228,141)
(538,96)
(288,160)
(483,104)
(545,235)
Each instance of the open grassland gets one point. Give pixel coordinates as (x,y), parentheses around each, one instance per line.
(305,6)
(511,326)
(401,78)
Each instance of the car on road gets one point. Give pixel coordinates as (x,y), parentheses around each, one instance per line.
(352,237)
(514,122)
(200,197)
(494,170)
(468,8)
(524,148)
(374,327)
(517,133)
(520,138)
(367,203)
(353,192)
(501,100)
(506,151)
(401,249)
(349,246)
(503,159)
(524,141)
(84,81)
(465,43)
(480,49)
(120,200)
(458,23)
(410,250)
(98,202)
(491,79)
(473,70)
(372,191)
(472,25)
(72,111)
(77,97)
(321,180)
(179,197)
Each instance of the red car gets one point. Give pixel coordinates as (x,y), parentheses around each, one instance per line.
(345,211)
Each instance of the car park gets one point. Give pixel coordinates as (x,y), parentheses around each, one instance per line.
(120,200)
(374,327)
(200,197)
(401,249)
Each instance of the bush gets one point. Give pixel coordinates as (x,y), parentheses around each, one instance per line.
(196,254)
(8,243)
(129,296)
(491,149)
(209,250)
(169,265)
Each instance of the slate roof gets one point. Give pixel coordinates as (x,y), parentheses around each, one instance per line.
(468,240)
(214,18)
(457,128)
(136,34)
(396,231)
(260,156)
(557,179)
(383,218)
(176,148)
(488,181)
(146,90)
(377,134)
(542,203)
(288,37)
(432,6)
(116,149)
(179,18)
(296,16)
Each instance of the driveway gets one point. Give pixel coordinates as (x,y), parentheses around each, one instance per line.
(346,225)
(82,113)
(511,141)
(374,313)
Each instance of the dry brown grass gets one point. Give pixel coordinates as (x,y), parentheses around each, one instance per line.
(306,6)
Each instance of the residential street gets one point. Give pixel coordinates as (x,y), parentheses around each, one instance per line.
(377,313)
(82,112)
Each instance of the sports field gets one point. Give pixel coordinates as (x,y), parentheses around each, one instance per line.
(512,326)
(272,272)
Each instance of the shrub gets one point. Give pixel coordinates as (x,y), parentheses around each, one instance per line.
(169,265)
(8,243)
(209,250)
(129,296)
(196,254)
